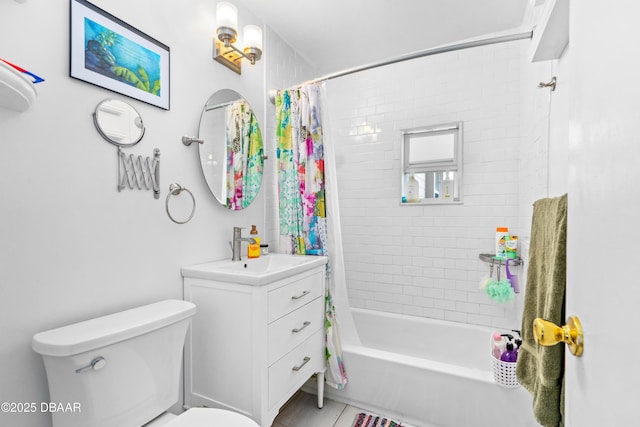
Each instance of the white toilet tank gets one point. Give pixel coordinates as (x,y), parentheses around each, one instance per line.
(120,370)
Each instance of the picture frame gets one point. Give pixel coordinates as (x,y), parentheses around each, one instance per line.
(107,52)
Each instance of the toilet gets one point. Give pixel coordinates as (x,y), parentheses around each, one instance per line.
(123,370)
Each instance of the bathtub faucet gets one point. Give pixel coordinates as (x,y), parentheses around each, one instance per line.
(237,243)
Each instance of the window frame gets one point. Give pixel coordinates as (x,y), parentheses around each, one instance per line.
(434,166)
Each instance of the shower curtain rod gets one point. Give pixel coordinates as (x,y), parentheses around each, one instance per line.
(415,55)
(218,106)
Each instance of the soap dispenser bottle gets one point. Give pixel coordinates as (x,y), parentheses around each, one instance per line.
(253,250)
(518,341)
(509,355)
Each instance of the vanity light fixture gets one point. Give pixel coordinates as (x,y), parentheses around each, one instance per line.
(227,31)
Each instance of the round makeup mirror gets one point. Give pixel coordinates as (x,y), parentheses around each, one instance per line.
(232,154)
(118,122)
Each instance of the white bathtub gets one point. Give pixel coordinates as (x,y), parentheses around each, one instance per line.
(428,373)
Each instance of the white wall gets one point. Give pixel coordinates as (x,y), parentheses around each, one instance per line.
(423,260)
(544,162)
(73,247)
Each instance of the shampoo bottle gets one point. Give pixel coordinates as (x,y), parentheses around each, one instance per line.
(511,247)
(501,240)
(412,195)
(253,250)
(498,345)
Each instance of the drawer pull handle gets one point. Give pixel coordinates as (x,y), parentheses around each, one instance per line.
(301,295)
(304,325)
(304,362)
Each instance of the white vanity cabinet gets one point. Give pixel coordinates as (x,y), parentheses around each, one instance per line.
(252,346)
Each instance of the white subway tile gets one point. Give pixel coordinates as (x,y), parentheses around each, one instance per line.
(434,313)
(433,293)
(423,260)
(413,310)
(423,302)
(455,316)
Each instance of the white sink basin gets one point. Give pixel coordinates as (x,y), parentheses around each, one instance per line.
(255,271)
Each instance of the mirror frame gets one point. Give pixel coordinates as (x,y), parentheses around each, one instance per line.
(100,127)
(219,99)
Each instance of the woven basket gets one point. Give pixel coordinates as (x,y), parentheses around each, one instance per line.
(504,373)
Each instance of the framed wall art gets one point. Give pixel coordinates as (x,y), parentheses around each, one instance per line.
(108,52)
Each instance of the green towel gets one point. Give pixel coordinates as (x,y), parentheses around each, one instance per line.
(541,369)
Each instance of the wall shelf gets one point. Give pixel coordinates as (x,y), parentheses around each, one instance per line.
(551,35)
(17,92)
(491,259)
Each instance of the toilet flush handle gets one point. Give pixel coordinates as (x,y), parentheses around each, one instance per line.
(95,365)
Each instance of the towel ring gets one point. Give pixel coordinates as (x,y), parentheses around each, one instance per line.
(174,190)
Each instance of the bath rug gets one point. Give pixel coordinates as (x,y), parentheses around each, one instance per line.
(369,420)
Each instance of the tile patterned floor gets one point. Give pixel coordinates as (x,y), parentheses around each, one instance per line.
(302,411)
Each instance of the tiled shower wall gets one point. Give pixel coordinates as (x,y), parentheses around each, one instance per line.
(423,260)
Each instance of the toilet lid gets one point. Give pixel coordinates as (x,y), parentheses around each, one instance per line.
(209,417)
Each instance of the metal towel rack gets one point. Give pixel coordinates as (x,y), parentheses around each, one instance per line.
(174,190)
(138,172)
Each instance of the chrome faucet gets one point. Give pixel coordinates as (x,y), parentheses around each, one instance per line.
(237,243)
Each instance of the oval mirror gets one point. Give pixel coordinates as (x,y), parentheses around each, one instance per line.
(232,155)
(118,122)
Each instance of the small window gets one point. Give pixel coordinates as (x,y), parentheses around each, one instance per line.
(432,158)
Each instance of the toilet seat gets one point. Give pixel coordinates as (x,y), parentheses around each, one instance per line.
(210,417)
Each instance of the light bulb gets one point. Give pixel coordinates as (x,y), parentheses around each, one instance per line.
(253,37)
(227,15)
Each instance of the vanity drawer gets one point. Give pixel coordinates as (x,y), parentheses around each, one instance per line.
(294,328)
(294,295)
(308,358)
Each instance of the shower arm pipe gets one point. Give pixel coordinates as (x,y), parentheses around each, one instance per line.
(418,54)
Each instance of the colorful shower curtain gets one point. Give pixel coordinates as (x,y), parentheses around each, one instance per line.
(301,192)
(244,151)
